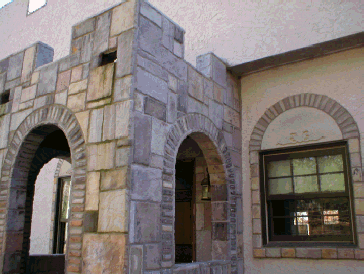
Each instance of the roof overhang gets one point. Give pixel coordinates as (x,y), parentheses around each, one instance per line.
(316,50)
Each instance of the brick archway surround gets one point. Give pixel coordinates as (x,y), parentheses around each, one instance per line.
(213,145)
(350,132)
(21,150)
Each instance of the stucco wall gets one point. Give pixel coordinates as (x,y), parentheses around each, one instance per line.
(338,76)
(238,31)
(51,24)
(43,211)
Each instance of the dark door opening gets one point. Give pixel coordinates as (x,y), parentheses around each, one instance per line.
(184,224)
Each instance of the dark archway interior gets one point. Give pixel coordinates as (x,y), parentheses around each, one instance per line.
(184,201)
(200,201)
(185,193)
(40,146)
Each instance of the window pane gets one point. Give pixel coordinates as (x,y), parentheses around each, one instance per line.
(332,182)
(65,239)
(283,208)
(304,184)
(36,4)
(279,169)
(65,198)
(331,217)
(3,3)
(280,186)
(283,226)
(330,163)
(304,166)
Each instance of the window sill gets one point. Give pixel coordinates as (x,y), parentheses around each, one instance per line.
(311,244)
(309,252)
(193,265)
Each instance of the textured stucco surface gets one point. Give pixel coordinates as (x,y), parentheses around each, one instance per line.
(237,31)
(338,76)
(240,31)
(42,209)
(51,24)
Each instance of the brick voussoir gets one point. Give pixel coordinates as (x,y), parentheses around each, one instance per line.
(266,119)
(307,97)
(351,135)
(343,117)
(282,106)
(270,114)
(323,102)
(312,100)
(317,101)
(335,108)
(349,128)
(329,105)
(338,114)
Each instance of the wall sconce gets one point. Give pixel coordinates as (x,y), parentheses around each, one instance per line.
(206,188)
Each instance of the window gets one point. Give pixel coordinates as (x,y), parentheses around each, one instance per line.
(35,5)
(307,195)
(3,3)
(108,58)
(4,97)
(62,215)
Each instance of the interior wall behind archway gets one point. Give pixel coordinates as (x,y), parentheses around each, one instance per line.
(43,212)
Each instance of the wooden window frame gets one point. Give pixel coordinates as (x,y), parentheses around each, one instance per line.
(60,225)
(293,153)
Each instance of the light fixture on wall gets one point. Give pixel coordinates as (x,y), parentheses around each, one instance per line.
(206,187)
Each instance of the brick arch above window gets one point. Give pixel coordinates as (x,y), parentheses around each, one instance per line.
(343,118)
(350,132)
(64,119)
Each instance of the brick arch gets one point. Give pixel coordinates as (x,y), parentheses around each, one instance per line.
(212,143)
(349,130)
(343,118)
(58,168)
(21,159)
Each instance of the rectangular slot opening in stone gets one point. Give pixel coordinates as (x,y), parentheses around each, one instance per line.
(4,98)
(108,58)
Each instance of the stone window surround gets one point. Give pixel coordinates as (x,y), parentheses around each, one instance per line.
(184,126)
(350,133)
(64,119)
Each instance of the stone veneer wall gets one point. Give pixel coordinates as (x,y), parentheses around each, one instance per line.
(171,101)
(203,214)
(76,94)
(124,122)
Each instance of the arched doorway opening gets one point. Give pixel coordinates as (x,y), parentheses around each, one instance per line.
(201,222)
(50,214)
(39,147)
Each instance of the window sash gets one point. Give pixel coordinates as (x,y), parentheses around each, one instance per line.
(61,218)
(318,175)
(285,154)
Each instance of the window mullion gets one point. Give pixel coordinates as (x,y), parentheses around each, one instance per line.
(315,200)
(292,174)
(317,175)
